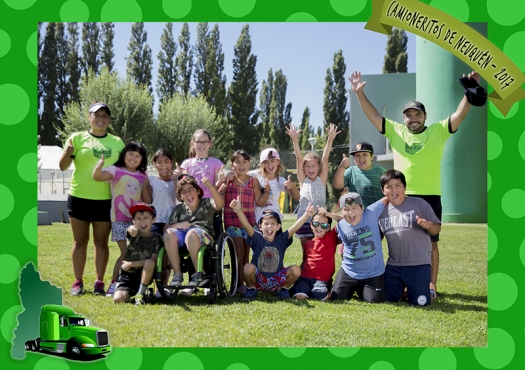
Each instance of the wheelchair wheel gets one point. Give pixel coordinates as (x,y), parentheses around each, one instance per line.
(212,295)
(226,266)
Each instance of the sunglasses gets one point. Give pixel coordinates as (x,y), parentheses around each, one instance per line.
(349,201)
(323,225)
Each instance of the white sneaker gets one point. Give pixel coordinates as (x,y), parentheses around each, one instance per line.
(206,291)
(187,291)
(111,289)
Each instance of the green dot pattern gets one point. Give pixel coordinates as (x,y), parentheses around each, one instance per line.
(8,202)
(503,291)
(506,147)
(500,351)
(348,8)
(14,97)
(495,145)
(121,11)
(125,358)
(74,11)
(10,269)
(176,8)
(499,11)
(26,167)
(512,203)
(5,43)
(489,181)
(237,8)
(458,8)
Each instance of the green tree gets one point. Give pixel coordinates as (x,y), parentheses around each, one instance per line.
(61,97)
(396,57)
(184,61)
(208,75)
(108,34)
(139,62)
(242,95)
(334,107)
(47,68)
(131,116)
(279,113)
(180,117)
(90,47)
(166,86)
(265,103)
(73,63)
(307,129)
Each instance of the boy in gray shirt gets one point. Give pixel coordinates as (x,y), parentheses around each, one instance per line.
(407,224)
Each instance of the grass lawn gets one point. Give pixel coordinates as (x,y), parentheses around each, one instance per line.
(457,319)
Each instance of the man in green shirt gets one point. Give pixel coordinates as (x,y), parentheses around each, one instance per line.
(418,150)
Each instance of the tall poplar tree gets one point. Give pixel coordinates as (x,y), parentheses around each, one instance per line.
(61,97)
(48,80)
(334,107)
(279,113)
(73,63)
(139,62)
(396,57)
(166,85)
(184,61)
(307,130)
(265,103)
(107,53)
(90,47)
(242,95)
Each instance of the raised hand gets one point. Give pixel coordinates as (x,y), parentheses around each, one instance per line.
(221,177)
(206,182)
(100,163)
(292,131)
(70,149)
(310,210)
(267,187)
(235,204)
(423,223)
(288,184)
(132,230)
(321,211)
(332,131)
(473,75)
(230,176)
(176,172)
(345,162)
(356,83)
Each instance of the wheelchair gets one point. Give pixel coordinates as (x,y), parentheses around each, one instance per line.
(218,260)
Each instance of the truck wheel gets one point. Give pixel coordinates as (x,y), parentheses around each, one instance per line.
(34,346)
(74,350)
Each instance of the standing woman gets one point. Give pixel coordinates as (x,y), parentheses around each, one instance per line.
(89,201)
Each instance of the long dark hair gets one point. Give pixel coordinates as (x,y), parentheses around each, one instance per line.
(134,146)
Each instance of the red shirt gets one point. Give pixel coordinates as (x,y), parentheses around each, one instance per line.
(319,257)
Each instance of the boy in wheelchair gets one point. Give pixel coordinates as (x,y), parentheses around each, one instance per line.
(191,225)
(141,254)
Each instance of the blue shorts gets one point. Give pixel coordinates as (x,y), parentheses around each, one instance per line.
(232,232)
(415,278)
(312,288)
(270,284)
(205,238)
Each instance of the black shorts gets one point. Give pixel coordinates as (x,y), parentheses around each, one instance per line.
(435,204)
(415,278)
(370,290)
(129,281)
(89,210)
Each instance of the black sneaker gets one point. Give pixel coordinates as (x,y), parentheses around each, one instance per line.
(99,288)
(77,288)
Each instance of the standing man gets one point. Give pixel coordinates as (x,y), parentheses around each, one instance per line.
(418,149)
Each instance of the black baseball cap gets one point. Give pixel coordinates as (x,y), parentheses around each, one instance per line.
(362,146)
(414,104)
(476,95)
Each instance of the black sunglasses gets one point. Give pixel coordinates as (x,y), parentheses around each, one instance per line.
(323,225)
(349,201)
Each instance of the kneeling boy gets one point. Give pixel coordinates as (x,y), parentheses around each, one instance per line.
(143,247)
(266,271)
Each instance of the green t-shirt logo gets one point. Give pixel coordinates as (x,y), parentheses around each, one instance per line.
(413,148)
(99,152)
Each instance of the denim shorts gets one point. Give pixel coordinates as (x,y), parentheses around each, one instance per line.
(205,238)
(233,231)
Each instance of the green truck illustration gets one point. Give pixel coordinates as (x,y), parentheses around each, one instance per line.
(63,331)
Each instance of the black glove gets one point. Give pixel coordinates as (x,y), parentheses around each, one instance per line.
(476,95)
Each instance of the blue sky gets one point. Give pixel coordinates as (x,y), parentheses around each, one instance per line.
(302,50)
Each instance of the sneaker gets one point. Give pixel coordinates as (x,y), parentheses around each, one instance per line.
(139,300)
(77,288)
(251,293)
(111,289)
(241,289)
(206,291)
(283,293)
(99,288)
(197,280)
(177,279)
(187,291)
